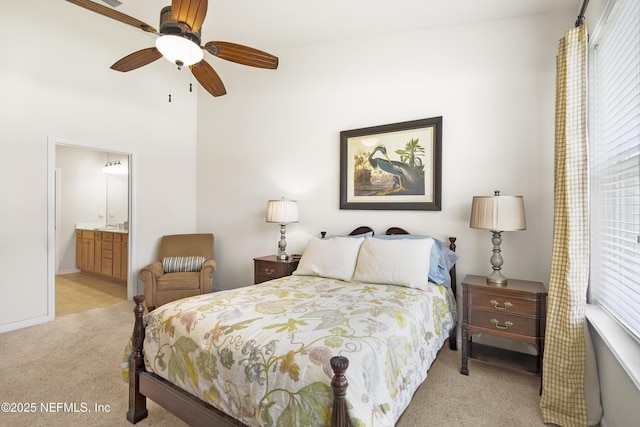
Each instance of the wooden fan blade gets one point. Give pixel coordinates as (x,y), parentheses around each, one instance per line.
(208,78)
(242,54)
(137,59)
(113,14)
(191,12)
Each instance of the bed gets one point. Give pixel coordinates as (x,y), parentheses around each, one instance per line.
(278,353)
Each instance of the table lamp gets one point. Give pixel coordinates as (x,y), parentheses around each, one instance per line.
(497,214)
(282,212)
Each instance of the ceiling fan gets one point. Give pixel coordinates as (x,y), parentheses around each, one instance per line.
(179,42)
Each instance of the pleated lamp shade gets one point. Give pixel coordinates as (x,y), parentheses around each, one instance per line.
(282,211)
(498,213)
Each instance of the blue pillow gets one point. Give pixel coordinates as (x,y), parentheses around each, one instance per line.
(441,258)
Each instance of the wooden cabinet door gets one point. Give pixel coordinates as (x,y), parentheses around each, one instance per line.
(84,263)
(90,254)
(124,268)
(87,261)
(97,253)
(117,258)
(79,249)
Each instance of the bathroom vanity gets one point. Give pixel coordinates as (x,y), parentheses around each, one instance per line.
(103,253)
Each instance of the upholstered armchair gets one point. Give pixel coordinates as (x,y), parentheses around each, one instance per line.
(184,268)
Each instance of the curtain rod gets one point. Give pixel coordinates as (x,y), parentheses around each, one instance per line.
(583,9)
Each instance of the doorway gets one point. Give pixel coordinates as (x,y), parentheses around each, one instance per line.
(90,229)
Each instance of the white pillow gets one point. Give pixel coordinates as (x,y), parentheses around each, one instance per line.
(334,258)
(394,262)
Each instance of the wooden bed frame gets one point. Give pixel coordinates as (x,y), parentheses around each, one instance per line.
(195,412)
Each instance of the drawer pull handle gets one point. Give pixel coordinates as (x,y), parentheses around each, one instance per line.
(506,305)
(499,326)
(269,271)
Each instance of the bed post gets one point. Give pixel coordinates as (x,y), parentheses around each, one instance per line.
(137,402)
(339,383)
(453,336)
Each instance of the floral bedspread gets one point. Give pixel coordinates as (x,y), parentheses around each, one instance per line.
(261,353)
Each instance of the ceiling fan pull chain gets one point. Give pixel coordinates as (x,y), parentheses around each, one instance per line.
(170,76)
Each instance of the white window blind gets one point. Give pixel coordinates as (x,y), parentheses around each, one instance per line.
(614,134)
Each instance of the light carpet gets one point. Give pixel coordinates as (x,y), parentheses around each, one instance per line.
(67,373)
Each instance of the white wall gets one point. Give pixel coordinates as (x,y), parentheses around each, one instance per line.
(55,82)
(493,83)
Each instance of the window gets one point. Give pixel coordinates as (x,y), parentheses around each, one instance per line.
(614,134)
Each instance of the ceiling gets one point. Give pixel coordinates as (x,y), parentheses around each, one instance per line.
(269,24)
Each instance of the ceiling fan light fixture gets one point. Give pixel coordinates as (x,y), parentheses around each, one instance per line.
(179,50)
(179,40)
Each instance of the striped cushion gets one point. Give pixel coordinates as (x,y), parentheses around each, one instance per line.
(173,264)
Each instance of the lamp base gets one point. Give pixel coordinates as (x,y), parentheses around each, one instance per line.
(282,243)
(496,279)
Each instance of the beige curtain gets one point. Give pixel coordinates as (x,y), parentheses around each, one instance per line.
(563,396)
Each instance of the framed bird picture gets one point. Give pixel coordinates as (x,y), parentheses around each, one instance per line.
(392,167)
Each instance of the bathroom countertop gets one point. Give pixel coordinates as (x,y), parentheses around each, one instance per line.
(100,227)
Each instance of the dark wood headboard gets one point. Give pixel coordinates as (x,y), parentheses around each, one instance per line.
(361,230)
(396,230)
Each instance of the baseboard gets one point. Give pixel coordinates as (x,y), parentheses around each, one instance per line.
(25,323)
(69,271)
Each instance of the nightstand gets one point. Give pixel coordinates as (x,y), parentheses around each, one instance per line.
(517,311)
(271,267)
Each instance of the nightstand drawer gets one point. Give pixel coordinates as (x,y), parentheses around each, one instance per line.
(503,303)
(519,325)
(270,267)
(271,270)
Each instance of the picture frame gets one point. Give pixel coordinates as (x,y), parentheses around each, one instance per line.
(392,167)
